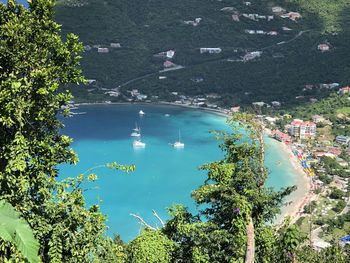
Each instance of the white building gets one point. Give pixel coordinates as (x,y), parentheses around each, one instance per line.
(115,45)
(170,53)
(323,47)
(102,50)
(216,50)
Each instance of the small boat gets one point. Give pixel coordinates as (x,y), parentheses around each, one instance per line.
(178,144)
(167,115)
(138,144)
(141,112)
(136,132)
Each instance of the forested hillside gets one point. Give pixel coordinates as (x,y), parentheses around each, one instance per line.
(289,60)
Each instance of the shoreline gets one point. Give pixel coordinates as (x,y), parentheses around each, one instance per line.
(295,201)
(221,112)
(301,196)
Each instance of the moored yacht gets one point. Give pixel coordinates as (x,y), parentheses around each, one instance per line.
(178,144)
(138,144)
(141,112)
(136,132)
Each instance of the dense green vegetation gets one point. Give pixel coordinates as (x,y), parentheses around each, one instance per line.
(145,28)
(233,226)
(332,108)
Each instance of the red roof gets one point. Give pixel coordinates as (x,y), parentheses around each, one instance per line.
(296,122)
(168,64)
(335,151)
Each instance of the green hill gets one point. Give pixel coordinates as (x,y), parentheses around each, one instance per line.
(288,62)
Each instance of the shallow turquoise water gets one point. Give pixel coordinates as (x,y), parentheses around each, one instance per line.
(164,175)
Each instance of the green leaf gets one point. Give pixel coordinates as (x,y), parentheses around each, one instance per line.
(17,231)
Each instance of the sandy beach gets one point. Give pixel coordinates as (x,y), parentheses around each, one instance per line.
(302,195)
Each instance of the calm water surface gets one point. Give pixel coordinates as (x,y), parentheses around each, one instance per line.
(164,175)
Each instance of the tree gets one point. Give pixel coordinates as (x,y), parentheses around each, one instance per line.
(336,194)
(235,202)
(150,247)
(34,63)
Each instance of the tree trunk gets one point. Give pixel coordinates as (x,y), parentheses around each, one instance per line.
(250,252)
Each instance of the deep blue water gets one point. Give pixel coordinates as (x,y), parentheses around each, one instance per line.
(164,175)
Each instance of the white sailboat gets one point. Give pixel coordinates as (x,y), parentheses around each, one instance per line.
(141,113)
(138,144)
(136,132)
(178,144)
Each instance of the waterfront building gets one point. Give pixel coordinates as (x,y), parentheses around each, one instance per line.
(302,129)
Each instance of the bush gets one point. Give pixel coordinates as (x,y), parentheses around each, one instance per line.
(340,206)
(309,208)
(325,178)
(336,194)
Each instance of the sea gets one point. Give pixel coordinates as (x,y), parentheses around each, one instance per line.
(164,176)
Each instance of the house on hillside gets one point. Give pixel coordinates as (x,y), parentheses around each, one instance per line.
(276,104)
(169,64)
(247,3)
(216,50)
(102,50)
(235,18)
(193,23)
(292,16)
(169,54)
(343,139)
(252,55)
(323,47)
(248,31)
(115,45)
(278,9)
(235,109)
(344,90)
(258,104)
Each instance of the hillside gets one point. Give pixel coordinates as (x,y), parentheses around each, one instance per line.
(289,60)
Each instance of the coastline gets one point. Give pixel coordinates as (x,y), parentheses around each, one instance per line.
(295,201)
(301,196)
(221,112)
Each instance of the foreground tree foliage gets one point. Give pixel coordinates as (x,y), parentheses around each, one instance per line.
(34,62)
(235,204)
(150,247)
(16,231)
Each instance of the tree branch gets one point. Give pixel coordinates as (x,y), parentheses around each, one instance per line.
(143,222)
(158,217)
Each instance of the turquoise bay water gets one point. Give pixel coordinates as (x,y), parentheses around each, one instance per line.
(164,175)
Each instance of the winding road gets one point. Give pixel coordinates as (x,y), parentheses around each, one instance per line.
(207,62)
